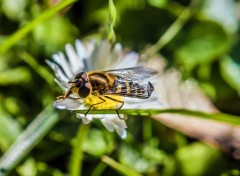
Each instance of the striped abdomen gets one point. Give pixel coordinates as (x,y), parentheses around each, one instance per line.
(132,89)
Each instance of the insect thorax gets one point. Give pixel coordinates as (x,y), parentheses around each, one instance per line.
(100,82)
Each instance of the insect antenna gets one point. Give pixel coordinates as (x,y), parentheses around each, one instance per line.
(71,81)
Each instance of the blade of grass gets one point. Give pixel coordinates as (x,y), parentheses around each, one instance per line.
(172,31)
(232,119)
(75,168)
(28,139)
(13,39)
(99,169)
(119,167)
(43,72)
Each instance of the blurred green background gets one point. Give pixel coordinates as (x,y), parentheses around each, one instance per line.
(206,48)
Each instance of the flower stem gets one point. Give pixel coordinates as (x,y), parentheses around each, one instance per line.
(112,20)
(147,129)
(75,168)
(172,31)
(222,117)
(119,167)
(43,72)
(99,169)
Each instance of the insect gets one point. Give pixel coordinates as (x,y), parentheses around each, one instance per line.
(128,82)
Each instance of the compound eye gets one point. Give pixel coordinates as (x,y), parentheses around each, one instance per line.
(79,83)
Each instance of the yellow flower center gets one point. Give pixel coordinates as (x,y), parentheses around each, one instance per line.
(109,104)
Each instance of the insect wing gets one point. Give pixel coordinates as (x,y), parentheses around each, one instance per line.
(134,73)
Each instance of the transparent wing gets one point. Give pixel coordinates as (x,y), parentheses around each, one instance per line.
(134,73)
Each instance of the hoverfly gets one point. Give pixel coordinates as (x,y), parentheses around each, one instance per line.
(128,82)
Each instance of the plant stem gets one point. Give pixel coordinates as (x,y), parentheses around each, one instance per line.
(44,73)
(75,168)
(171,32)
(222,117)
(119,167)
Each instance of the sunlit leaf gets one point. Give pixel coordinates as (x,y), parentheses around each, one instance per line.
(196,159)
(141,162)
(230,71)
(202,46)
(59,31)
(97,143)
(13,9)
(17,75)
(157,3)
(28,167)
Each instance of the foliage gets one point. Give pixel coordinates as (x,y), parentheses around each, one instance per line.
(199,38)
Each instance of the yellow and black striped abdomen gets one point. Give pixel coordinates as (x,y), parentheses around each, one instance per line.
(131,89)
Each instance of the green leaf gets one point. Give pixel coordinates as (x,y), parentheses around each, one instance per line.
(233,172)
(143,161)
(13,9)
(230,71)
(28,167)
(202,46)
(58,30)
(13,39)
(97,143)
(158,3)
(8,76)
(195,159)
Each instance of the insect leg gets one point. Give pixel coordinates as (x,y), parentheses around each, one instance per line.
(117,110)
(62,97)
(95,105)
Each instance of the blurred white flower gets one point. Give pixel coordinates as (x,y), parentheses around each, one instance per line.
(97,56)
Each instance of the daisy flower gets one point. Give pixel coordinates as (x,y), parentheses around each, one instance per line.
(91,56)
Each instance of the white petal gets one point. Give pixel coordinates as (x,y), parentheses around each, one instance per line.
(130,60)
(63,85)
(90,46)
(117,50)
(87,118)
(62,61)
(80,116)
(121,132)
(69,104)
(59,73)
(119,122)
(75,60)
(50,64)
(98,116)
(83,117)
(101,56)
(81,51)
(108,124)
